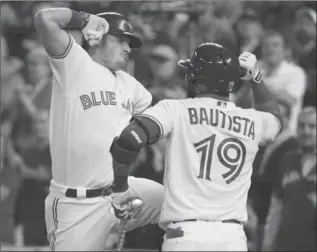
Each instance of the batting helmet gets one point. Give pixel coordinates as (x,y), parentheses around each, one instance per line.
(119,25)
(211,69)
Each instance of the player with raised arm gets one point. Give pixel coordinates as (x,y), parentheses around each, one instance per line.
(93,99)
(211,149)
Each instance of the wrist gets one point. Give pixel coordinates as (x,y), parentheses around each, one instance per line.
(257,77)
(120,184)
(78,21)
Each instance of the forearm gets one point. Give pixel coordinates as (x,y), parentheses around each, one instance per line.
(272,225)
(51,25)
(53,17)
(264,100)
(126,148)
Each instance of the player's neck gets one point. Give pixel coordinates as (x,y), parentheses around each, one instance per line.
(97,57)
(214,96)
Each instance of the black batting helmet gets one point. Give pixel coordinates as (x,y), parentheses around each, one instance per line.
(119,25)
(211,69)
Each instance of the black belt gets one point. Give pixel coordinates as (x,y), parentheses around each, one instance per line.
(90,193)
(223,221)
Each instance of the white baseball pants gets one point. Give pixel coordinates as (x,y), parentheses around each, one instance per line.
(206,236)
(84,224)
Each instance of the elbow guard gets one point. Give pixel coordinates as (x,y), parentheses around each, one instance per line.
(150,127)
(125,149)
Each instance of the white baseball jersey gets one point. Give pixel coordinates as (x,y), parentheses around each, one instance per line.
(89,107)
(208,163)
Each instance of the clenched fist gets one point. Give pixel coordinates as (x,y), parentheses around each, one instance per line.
(95,29)
(248,63)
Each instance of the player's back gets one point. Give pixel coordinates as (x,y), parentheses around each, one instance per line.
(209,159)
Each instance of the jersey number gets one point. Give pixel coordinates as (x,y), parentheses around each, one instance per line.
(235,164)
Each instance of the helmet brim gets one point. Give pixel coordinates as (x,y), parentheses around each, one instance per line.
(135,41)
(184,63)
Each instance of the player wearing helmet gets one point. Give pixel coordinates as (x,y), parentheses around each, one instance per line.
(210,153)
(93,99)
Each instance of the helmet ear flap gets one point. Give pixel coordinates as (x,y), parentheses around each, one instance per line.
(190,81)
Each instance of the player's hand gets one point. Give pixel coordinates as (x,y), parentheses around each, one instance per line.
(96,28)
(249,67)
(120,204)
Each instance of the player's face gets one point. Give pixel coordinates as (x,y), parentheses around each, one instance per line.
(249,29)
(163,68)
(273,50)
(116,51)
(307,130)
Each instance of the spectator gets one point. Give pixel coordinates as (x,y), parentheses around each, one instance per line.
(36,176)
(164,68)
(11,79)
(9,182)
(305,50)
(291,223)
(265,179)
(305,38)
(249,32)
(286,81)
(310,94)
(40,77)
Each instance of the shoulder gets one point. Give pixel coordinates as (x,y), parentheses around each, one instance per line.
(251,112)
(292,67)
(172,102)
(127,77)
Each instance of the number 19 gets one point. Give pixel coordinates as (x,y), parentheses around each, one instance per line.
(235,165)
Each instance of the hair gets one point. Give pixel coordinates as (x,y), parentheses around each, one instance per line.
(85,45)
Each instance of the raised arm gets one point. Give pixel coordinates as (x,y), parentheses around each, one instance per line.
(263,99)
(51,25)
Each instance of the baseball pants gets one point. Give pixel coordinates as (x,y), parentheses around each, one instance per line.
(204,236)
(84,224)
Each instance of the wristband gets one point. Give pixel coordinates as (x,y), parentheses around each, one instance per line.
(257,76)
(79,20)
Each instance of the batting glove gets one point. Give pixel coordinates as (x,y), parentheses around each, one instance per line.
(249,66)
(95,29)
(120,204)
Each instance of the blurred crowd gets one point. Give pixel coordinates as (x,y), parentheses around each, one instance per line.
(282,202)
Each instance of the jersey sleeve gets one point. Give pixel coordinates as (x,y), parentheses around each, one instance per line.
(142,98)
(163,114)
(271,126)
(67,68)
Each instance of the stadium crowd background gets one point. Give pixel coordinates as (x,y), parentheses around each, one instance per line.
(281,34)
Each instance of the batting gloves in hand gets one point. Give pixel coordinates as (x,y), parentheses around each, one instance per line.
(120,204)
(248,63)
(95,29)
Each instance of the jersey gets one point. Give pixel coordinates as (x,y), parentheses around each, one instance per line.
(89,107)
(208,163)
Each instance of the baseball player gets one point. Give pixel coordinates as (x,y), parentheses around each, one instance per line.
(210,153)
(92,101)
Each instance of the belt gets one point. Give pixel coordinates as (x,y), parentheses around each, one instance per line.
(223,221)
(178,232)
(88,193)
